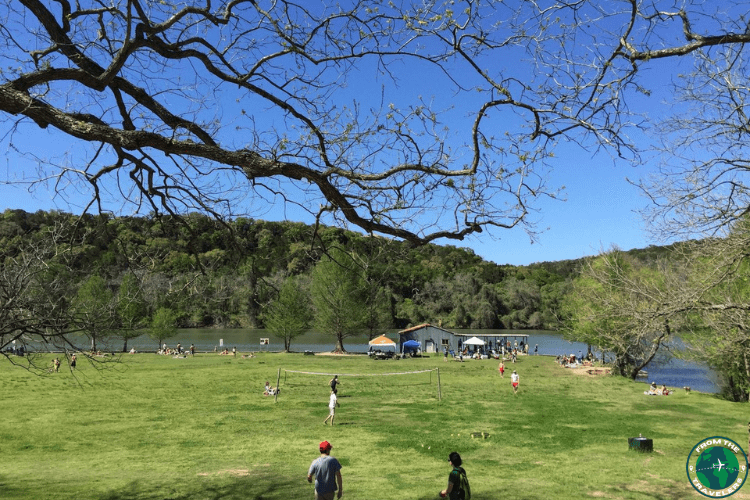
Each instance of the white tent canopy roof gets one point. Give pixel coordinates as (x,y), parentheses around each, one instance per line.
(382,341)
(474,341)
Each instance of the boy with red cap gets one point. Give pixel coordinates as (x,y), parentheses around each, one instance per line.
(327,472)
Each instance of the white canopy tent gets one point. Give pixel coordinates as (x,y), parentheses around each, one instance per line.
(474,341)
(382,341)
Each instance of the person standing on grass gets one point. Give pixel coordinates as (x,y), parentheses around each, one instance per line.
(514,379)
(73,361)
(327,473)
(333,402)
(458,484)
(334,383)
(501,369)
(192,349)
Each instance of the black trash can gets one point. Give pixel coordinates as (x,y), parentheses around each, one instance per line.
(642,444)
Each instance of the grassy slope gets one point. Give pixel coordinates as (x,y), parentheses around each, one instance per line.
(157,428)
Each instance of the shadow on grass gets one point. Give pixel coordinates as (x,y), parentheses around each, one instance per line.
(669,491)
(8,489)
(488,496)
(246,488)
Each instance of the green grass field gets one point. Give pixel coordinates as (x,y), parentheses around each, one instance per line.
(154,427)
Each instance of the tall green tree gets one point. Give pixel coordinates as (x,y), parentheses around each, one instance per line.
(290,315)
(163,325)
(95,309)
(378,314)
(716,304)
(339,294)
(622,307)
(132,310)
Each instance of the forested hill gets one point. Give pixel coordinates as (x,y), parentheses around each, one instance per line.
(213,274)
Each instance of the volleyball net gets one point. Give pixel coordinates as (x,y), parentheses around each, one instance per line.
(361,382)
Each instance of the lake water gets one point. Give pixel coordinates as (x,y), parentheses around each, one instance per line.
(673,373)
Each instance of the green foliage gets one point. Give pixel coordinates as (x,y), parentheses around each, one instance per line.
(95,309)
(163,325)
(619,305)
(290,315)
(215,275)
(717,324)
(204,424)
(132,309)
(339,293)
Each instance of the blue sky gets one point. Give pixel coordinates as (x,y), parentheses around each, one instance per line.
(600,209)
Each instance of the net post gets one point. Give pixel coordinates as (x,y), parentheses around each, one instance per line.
(278,377)
(440,396)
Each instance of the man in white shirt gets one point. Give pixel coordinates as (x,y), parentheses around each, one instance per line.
(332,404)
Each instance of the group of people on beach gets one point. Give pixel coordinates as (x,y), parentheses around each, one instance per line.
(653,390)
(574,361)
(177,351)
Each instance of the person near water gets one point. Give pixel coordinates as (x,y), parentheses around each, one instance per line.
(327,473)
(514,379)
(501,369)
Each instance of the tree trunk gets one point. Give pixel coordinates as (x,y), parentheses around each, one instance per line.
(653,352)
(340,343)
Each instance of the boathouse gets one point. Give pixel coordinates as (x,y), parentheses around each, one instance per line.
(433,338)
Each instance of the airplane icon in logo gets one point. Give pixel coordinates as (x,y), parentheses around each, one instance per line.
(720,464)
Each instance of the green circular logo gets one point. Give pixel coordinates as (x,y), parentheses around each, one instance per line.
(717,467)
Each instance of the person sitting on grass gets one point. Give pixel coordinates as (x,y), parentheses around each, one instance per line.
(270,391)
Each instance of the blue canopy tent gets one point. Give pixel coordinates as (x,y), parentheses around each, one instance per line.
(410,346)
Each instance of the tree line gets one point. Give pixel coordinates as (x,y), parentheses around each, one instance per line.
(691,302)
(227,274)
(114,278)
